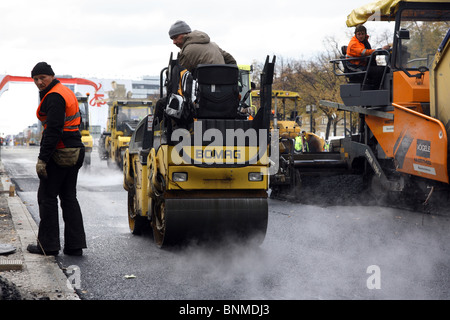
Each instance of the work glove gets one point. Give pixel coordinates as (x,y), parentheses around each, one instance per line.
(41,169)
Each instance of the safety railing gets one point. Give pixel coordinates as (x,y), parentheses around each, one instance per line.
(349,72)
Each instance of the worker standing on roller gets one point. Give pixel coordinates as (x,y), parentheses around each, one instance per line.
(196,47)
(60,157)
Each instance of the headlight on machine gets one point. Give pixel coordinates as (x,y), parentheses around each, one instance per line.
(255,176)
(179,176)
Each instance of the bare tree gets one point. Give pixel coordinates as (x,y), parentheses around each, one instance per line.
(313,80)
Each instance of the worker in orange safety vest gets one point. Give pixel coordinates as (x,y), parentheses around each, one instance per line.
(60,157)
(359,46)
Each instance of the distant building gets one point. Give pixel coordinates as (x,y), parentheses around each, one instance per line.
(145,88)
(99,92)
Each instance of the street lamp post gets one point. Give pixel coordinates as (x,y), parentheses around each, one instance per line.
(311,109)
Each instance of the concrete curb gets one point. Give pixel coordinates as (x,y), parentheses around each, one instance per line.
(43,273)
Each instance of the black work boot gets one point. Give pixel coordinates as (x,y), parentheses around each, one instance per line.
(36,249)
(73,252)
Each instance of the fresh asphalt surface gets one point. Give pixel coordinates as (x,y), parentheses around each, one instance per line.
(310,252)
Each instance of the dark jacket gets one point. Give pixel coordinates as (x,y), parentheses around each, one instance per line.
(198,49)
(54,106)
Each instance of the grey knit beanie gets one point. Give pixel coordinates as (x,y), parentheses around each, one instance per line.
(42,68)
(179,27)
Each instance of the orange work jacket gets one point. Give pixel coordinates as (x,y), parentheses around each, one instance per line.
(356,49)
(73,117)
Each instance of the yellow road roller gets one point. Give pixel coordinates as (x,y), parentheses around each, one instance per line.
(197,169)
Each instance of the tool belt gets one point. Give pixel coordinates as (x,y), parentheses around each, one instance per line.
(67,157)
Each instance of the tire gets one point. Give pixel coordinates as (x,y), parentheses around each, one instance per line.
(136,222)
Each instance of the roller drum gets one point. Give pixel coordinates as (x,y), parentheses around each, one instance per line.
(207,219)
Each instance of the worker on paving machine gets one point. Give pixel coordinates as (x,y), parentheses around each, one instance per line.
(358,47)
(359,51)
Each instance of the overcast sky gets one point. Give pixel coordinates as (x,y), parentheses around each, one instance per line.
(129,39)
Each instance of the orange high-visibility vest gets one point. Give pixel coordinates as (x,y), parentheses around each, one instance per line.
(73,118)
(356,49)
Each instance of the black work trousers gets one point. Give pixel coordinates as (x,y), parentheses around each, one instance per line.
(61,182)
